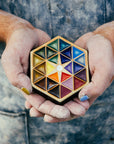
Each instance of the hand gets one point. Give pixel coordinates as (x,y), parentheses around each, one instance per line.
(20,37)
(15,59)
(101,63)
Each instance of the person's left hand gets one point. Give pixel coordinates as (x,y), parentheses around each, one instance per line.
(101,64)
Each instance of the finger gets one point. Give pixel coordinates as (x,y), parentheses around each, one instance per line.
(83,40)
(85,104)
(54,110)
(95,88)
(50,119)
(35,113)
(14,69)
(27,105)
(75,108)
(34,99)
(47,107)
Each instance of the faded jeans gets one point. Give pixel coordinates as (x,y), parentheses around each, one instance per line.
(70,19)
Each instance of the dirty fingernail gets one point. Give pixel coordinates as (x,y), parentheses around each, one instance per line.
(84,98)
(25,91)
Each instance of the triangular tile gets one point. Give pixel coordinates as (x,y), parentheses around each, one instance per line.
(54,45)
(67,52)
(82,75)
(41,68)
(41,52)
(50,52)
(78,83)
(64,76)
(50,83)
(54,59)
(55,91)
(81,59)
(63,44)
(69,67)
(76,52)
(64,91)
(37,76)
(54,77)
(49,68)
(36,60)
(68,83)
(64,59)
(41,83)
(77,67)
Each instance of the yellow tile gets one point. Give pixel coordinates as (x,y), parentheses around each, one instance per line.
(50,68)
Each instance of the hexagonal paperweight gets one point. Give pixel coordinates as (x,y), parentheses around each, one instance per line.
(59,69)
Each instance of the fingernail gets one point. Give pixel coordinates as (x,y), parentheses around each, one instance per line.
(84,98)
(25,91)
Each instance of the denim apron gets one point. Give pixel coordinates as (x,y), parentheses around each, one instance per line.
(70,19)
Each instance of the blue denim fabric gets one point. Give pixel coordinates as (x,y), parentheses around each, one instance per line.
(70,19)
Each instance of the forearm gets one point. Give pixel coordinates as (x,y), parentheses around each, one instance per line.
(107,30)
(9,23)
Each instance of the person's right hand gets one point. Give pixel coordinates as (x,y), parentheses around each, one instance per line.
(15,59)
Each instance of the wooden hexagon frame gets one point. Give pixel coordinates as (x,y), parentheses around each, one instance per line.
(59,69)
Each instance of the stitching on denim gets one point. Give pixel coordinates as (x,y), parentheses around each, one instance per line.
(7,113)
(23,113)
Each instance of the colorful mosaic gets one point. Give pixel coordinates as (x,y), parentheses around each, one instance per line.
(59,69)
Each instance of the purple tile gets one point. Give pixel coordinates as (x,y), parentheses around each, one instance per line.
(69,67)
(64,91)
(68,83)
(82,75)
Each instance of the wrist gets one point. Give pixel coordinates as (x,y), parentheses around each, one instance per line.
(107,31)
(10,23)
(16,25)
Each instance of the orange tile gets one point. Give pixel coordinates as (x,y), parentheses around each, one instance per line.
(54,77)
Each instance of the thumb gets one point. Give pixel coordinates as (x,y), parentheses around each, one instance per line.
(96,87)
(82,41)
